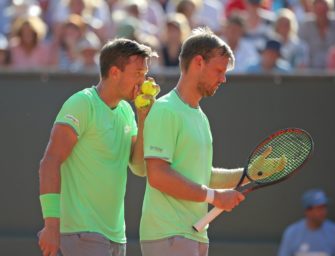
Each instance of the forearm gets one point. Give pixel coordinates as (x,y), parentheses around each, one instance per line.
(137,163)
(49,174)
(225,178)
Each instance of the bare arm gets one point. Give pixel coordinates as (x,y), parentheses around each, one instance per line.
(61,143)
(162,177)
(137,163)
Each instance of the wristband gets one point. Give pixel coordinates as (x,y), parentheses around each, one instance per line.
(50,204)
(210,194)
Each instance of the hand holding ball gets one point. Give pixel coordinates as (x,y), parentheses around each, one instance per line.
(148,88)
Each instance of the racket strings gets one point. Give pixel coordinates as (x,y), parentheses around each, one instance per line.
(295,147)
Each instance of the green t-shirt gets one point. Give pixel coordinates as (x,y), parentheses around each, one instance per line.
(180,135)
(93,178)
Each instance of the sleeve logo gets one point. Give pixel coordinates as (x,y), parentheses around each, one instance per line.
(73,119)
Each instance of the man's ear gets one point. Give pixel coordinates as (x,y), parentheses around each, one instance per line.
(198,61)
(114,72)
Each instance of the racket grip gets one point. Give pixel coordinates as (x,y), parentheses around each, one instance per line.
(204,221)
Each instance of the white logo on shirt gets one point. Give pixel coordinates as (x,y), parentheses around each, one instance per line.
(127,129)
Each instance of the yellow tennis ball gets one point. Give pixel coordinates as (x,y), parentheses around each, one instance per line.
(141,102)
(148,87)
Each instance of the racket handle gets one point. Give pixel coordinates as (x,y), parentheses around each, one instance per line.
(204,221)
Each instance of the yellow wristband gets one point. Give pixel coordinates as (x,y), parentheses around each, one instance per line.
(50,204)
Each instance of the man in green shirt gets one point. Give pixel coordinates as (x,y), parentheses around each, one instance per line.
(83,172)
(178,153)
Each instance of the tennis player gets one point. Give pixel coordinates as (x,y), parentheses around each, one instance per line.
(178,152)
(84,169)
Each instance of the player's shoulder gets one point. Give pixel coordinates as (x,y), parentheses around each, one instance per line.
(330,224)
(295,227)
(84,96)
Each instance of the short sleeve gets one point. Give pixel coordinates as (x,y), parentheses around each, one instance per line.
(160,133)
(75,112)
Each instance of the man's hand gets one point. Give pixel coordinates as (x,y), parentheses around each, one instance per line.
(49,237)
(263,167)
(227,199)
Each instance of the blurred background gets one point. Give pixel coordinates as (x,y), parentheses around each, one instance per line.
(284,77)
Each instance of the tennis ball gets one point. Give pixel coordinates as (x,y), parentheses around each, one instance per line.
(148,87)
(141,102)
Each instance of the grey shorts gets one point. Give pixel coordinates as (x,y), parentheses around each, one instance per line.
(88,244)
(174,246)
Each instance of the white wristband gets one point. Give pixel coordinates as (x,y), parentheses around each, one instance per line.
(210,194)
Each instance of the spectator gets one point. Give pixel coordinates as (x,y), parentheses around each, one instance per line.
(233,34)
(88,49)
(176,30)
(27,47)
(4,52)
(210,14)
(95,13)
(318,30)
(270,60)
(65,52)
(312,235)
(189,8)
(293,49)
(258,23)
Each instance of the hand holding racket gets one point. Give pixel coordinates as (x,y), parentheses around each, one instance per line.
(275,159)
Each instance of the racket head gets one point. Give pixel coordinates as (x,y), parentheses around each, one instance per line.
(294,143)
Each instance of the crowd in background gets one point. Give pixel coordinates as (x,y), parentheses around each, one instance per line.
(265,35)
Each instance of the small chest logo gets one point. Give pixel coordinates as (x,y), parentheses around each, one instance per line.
(127,129)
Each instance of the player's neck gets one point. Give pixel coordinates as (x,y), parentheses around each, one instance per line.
(186,90)
(107,94)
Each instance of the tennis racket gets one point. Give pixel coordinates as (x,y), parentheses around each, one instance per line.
(274,160)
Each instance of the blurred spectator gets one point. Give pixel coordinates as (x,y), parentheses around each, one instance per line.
(65,51)
(331,59)
(176,30)
(189,8)
(27,47)
(210,14)
(300,8)
(293,49)
(95,13)
(4,52)
(270,60)
(88,48)
(318,31)
(233,33)
(5,17)
(259,23)
(312,235)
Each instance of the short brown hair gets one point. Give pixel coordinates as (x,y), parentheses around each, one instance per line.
(118,51)
(205,43)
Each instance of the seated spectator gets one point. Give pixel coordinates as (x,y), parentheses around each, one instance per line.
(270,60)
(88,48)
(259,23)
(189,8)
(293,49)
(175,31)
(65,52)
(314,234)
(318,31)
(27,48)
(233,32)
(95,13)
(4,52)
